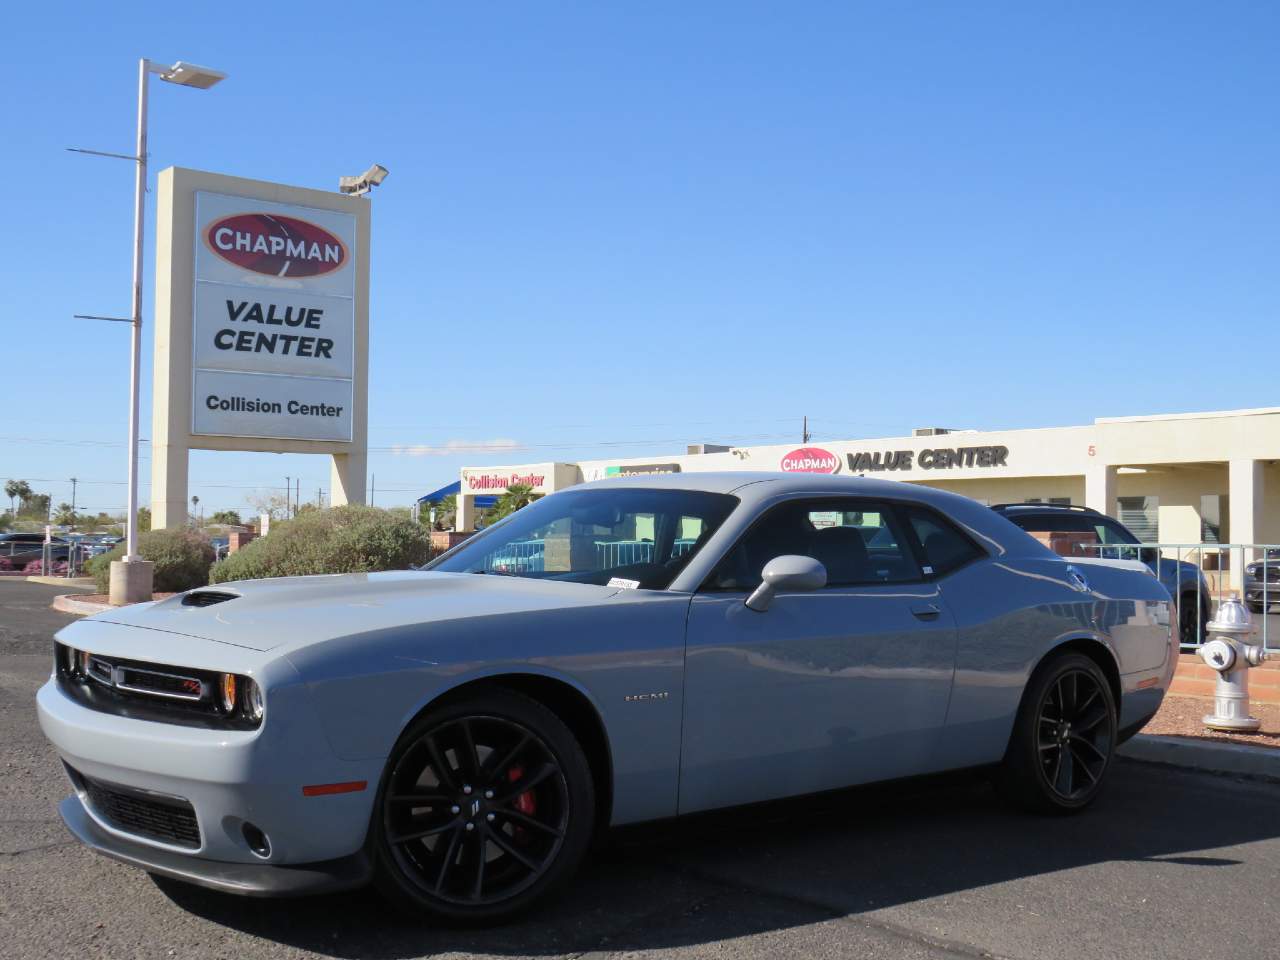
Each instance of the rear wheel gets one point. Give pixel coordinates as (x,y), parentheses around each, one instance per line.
(1063,739)
(1193,616)
(486,805)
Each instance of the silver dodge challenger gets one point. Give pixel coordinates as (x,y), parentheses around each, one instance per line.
(622,651)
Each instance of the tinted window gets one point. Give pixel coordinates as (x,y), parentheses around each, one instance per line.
(1052,522)
(1076,531)
(945,548)
(594,536)
(859,542)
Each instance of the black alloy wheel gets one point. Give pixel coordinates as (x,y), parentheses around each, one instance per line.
(1064,737)
(486,805)
(1074,736)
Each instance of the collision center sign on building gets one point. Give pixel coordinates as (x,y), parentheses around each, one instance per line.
(274,320)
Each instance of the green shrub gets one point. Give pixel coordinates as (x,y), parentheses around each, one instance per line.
(181,559)
(349,539)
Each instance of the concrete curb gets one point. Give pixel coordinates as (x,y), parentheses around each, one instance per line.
(1237,758)
(70,603)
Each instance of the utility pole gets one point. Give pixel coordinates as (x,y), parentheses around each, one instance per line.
(73,501)
(288,494)
(804,432)
(297,495)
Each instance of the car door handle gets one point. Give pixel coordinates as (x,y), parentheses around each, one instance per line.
(926,611)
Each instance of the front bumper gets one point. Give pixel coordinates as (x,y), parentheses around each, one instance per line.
(1254,593)
(231,780)
(247,879)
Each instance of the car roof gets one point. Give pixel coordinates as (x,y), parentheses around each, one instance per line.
(754,488)
(1038,507)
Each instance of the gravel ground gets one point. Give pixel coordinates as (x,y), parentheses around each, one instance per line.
(1183,717)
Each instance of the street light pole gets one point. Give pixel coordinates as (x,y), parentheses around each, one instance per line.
(135,365)
(131,577)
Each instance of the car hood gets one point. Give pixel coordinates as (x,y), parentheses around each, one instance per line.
(294,611)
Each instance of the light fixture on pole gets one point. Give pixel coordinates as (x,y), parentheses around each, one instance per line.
(126,586)
(358,186)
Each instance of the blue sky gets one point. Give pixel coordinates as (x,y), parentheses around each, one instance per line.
(647,224)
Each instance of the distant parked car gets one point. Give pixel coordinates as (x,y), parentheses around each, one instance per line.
(1084,529)
(21,548)
(1262,581)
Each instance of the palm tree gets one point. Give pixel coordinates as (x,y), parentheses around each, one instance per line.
(64,516)
(446,509)
(18,490)
(516,496)
(195,502)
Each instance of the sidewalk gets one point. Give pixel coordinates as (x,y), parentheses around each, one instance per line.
(1208,755)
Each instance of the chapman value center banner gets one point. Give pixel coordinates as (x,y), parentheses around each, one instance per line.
(274,320)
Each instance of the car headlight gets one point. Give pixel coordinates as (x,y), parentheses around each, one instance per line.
(241,696)
(253,700)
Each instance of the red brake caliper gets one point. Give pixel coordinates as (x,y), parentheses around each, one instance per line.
(526,802)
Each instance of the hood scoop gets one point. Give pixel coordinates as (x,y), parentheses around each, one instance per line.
(206,598)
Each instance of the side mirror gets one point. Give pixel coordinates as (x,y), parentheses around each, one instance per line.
(1149,555)
(787,573)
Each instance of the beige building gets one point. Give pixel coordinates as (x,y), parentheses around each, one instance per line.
(1172,478)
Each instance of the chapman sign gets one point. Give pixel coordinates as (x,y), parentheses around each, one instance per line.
(261,329)
(274,320)
(810,460)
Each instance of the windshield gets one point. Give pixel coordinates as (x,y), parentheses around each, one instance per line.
(639,537)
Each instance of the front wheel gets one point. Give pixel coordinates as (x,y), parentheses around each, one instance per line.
(1063,739)
(487,804)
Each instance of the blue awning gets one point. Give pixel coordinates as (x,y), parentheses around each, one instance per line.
(453,489)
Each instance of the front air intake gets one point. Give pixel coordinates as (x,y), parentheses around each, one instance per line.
(206,598)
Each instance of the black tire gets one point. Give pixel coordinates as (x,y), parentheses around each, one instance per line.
(1192,612)
(1063,739)
(1254,606)
(455,837)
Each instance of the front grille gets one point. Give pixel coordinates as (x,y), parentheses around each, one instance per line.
(169,820)
(1269,573)
(148,691)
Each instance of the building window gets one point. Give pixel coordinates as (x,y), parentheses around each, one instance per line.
(1141,515)
(1213,511)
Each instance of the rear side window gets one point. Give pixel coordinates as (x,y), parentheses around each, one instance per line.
(858,542)
(944,547)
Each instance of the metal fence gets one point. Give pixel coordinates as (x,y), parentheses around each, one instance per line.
(60,558)
(1212,572)
(529,556)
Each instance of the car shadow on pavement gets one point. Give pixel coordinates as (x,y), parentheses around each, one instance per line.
(730,874)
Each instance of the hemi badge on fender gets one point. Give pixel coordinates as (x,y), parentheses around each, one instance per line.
(1149,682)
(325,789)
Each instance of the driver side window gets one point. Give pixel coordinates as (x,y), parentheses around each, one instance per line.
(858,541)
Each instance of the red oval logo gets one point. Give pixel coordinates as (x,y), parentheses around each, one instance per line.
(811,460)
(276,245)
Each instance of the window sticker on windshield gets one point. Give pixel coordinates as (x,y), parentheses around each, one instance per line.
(624,583)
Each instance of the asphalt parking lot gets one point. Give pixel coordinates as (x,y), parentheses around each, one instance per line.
(1167,864)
